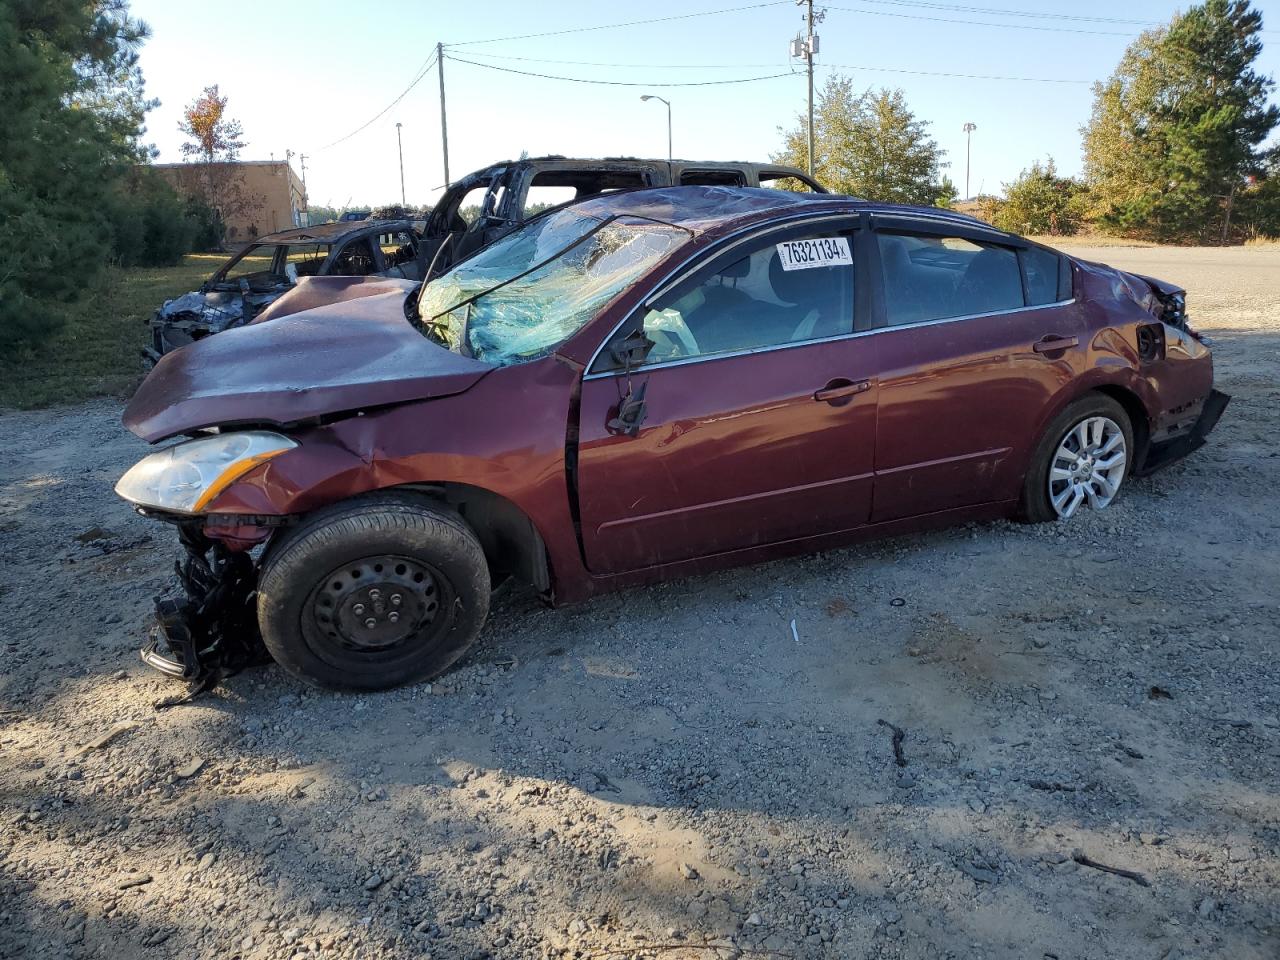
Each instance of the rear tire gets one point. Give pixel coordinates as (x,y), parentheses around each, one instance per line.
(1093,414)
(374,592)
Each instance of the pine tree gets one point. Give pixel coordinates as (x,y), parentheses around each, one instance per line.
(1177,129)
(71,108)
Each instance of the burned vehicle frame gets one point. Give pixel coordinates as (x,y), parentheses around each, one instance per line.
(256,276)
(635,388)
(504,195)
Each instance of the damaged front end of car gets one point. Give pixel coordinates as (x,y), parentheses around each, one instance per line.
(209,630)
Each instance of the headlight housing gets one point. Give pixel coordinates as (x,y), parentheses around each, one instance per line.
(186,477)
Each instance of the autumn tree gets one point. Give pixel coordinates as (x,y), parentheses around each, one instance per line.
(869,145)
(1176,131)
(214,135)
(215,143)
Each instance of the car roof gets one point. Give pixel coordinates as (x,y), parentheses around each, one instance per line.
(701,208)
(332,231)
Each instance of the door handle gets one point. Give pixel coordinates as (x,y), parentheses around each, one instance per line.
(1053,343)
(841,389)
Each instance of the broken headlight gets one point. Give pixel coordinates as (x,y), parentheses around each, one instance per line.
(186,477)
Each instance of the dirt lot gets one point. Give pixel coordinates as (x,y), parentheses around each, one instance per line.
(669,769)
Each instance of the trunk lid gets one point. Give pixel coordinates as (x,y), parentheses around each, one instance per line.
(356,353)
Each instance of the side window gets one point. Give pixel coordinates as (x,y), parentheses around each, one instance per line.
(307,258)
(355,260)
(1042,271)
(397,247)
(255,260)
(713,178)
(470,208)
(779,292)
(550,188)
(933,278)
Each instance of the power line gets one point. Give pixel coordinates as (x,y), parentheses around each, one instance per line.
(744,66)
(983,23)
(618,83)
(1006,12)
(422,72)
(629,23)
(614,63)
(938,73)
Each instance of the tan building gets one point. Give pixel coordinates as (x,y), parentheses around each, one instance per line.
(253,196)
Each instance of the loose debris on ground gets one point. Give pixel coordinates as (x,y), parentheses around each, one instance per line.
(666,773)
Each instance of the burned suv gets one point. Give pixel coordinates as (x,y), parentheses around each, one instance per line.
(256,276)
(487,204)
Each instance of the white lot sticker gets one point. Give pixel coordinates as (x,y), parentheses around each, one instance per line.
(820,252)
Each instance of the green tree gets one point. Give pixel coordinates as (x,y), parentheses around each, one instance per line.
(869,145)
(71,108)
(1041,202)
(1176,131)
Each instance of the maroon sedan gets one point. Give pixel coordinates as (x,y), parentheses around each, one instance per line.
(639,386)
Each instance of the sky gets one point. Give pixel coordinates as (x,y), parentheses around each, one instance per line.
(300,76)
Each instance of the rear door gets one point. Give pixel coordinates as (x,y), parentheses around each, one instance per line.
(760,409)
(975,342)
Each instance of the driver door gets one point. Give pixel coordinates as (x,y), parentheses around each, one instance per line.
(760,410)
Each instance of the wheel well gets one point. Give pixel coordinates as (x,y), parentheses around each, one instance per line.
(1139,419)
(511,542)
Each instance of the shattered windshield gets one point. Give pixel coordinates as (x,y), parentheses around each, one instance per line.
(517,299)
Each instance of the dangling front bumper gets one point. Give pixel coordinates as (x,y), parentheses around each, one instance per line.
(211,630)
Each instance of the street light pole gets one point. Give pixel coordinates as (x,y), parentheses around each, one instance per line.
(968,137)
(400,147)
(652,96)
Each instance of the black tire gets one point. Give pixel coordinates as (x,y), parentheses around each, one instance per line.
(322,577)
(1035,505)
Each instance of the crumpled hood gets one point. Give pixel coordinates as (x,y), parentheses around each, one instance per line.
(325,360)
(1141,289)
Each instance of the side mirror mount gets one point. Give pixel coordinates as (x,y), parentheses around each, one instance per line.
(630,352)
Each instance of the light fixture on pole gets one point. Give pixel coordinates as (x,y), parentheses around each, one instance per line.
(968,136)
(400,147)
(654,96)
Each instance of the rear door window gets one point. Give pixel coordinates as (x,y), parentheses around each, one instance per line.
(1042,269)
(936,278)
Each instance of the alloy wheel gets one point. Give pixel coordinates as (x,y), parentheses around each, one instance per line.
(1088,466)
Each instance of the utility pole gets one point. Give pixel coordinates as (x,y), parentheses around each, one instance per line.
(806,47)
(444,123)
(400,148)
(968,137)
(306,199)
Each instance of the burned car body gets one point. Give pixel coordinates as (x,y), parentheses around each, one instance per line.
(255,277)
(489,203)
(637,387)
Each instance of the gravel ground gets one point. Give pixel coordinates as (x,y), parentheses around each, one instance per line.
(671,772)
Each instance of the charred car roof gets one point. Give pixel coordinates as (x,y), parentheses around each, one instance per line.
(333,231)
